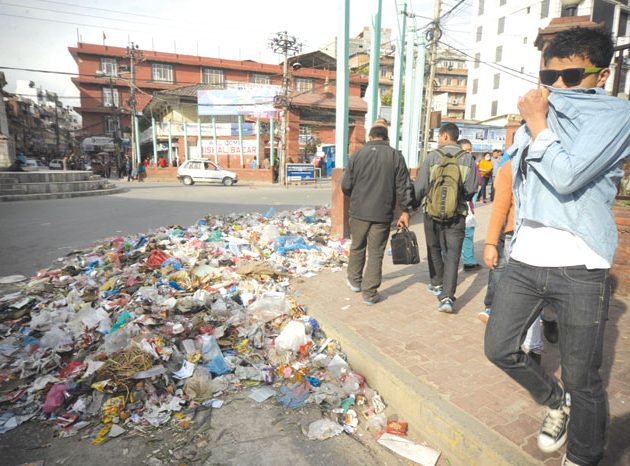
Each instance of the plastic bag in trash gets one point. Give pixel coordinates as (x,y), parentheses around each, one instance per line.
(56,339)
(286,244)
(55,398)
(292,337)
(268,307)
(199,386)
(323,429)
(212,355)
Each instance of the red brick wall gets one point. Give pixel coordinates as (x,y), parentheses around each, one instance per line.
(244,174)
(621,263)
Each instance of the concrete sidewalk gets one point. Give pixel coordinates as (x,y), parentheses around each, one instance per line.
(430,367)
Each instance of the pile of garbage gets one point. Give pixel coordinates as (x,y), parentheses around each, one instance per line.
(143,332)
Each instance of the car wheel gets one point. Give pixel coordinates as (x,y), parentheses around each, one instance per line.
(227,181)
(188,181)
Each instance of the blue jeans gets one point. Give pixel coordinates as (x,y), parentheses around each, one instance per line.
(580,298)
(468,247)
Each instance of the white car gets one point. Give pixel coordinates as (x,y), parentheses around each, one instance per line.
(31,165)
(56,164)
(203,170)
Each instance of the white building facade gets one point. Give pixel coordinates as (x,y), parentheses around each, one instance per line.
(505,61)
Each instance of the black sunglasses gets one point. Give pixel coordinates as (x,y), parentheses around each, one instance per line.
(570,76)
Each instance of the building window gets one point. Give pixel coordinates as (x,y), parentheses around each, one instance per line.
(473,111)
(480,11)
(525,40)
(495,105)
(544,9)
(501,26)
(302,84)
(528,10)
(109,66)
(497,80)
(162,72)
(479,33)
(448,81)
(502,2)
(475,87)
(258,78)
(499,54)
(110,125)
(213,76)
(110,97)
(477,59)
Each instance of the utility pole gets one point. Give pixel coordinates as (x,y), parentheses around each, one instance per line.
(134,54)
(282,44)
(434,33)
(116,118)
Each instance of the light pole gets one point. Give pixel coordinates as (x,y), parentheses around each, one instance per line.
(283,43)
(134,53)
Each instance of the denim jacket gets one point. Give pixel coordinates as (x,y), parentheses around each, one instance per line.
(574,167)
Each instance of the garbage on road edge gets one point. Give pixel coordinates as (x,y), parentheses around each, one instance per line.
(147,332)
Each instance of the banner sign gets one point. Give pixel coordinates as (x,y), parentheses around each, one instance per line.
(238,100)
(228,147)
(223,129)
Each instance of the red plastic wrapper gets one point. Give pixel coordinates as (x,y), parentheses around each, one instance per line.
(156,258)
(72,370)
(397,428)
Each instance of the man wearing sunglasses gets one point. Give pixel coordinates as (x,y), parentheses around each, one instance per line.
(567,161)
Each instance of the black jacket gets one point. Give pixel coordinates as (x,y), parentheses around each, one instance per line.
(375,176)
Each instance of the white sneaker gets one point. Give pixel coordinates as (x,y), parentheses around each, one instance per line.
(553,433)
(567,462)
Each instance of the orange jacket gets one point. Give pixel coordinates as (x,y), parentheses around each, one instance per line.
(502,216)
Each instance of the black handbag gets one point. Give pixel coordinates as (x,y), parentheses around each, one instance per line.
(405,247)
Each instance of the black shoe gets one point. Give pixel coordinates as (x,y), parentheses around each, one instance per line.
(550,330)
(471,266)
(536,357)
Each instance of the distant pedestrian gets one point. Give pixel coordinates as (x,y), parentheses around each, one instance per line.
(468,246)
(496,161)
(376,175)
(142,171)
(162,162)
(566,163)
(485,170)
(129,168)
(445,182)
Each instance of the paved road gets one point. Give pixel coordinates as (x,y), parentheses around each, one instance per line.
(34,233)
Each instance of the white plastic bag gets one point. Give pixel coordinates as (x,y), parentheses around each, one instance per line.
(323,429)
(292,337)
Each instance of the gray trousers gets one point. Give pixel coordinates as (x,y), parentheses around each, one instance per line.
(372,238)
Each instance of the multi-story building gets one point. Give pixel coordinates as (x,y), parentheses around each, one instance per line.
(40,125)
(451,75)
(104,83)
(505,59)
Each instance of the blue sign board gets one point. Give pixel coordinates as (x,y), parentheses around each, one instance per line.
(300,172)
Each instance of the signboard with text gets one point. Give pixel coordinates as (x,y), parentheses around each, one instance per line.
(300,172)
(228,147)
(238,100)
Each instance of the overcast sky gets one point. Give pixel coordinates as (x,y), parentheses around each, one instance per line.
(36,33)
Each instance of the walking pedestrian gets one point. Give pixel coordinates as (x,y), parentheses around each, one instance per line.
(468,246)
(496,255)
(566,163)
(445,182)
(485,170)
(376,175)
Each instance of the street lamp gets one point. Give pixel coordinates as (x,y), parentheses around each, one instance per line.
(571,7)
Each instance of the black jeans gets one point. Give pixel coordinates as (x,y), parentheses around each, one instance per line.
(495,274)
(372,238)
(580,298)
(444,248)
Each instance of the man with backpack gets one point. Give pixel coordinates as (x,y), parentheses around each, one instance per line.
(445,182)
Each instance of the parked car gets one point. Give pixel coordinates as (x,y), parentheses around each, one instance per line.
(202,170)
(31,165)
(56,164)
